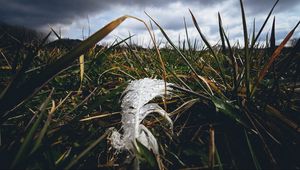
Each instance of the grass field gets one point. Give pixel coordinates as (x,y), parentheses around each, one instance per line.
(234,107)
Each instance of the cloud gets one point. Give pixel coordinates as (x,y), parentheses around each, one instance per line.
(71,16)
(259,6)
(35,13)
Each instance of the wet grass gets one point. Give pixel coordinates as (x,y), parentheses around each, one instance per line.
(234,108)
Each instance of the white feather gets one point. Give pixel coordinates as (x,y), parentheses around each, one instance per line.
(135,108)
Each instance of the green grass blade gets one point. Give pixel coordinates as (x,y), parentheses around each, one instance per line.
(255,161)
(43,131)
(274,56)
(55,33)
(209,47)
(180,53)
(28,139)
(175,75)
(264,24)
(101,57)
(138,60)
(219,160)
(36,82)
(187,36)
(87,150)
(146,154)
(10,88)
(246,51)
(272,38)
(234,65)
(229,111)
(221,33)
(253,33)
(231,56)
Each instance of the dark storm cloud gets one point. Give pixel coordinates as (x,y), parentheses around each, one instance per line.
(35,13)
(40,12)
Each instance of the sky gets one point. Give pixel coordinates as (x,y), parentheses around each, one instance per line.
(77,19)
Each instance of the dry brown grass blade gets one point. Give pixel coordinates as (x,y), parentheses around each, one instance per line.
(281,117)
(81,63)
(81,73)
(274,56)
(185,106)
(211,154)
(99,116)
(164,72)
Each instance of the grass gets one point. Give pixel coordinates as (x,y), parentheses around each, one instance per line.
(235,108)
